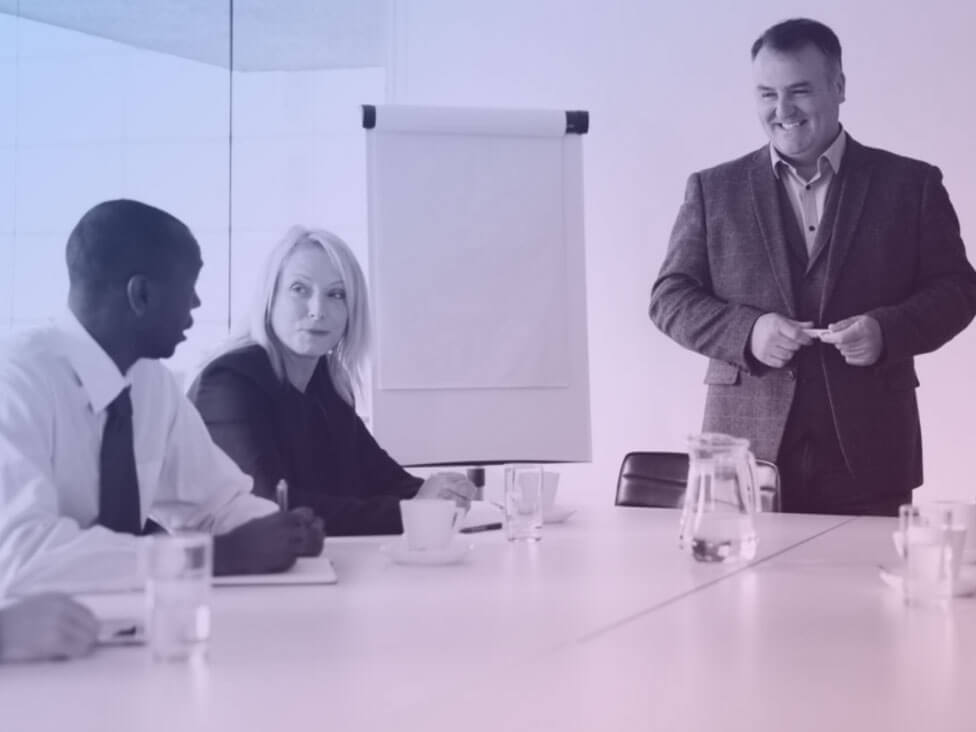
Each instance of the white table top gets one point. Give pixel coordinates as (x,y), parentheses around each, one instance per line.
(604,624)
(810,639)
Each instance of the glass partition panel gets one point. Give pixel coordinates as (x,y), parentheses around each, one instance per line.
(297,145)
(8,138)
(104,100)
(241,119)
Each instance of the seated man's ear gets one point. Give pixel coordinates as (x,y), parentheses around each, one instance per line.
(137,291)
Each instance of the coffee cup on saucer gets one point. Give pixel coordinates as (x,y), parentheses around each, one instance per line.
(930,539)
(966,511)
(552,512)
(429,524)
(550,484)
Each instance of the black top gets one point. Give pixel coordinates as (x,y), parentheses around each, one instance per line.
(314,440)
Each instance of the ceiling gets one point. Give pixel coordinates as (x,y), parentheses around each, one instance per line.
(267,35)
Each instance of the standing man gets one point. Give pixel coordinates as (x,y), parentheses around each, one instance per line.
(816,231)
(96,436)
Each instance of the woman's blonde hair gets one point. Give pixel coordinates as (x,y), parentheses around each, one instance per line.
(346,362)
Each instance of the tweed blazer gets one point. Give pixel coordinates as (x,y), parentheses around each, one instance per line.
(895,253)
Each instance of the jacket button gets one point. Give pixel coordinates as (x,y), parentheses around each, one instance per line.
(791,374)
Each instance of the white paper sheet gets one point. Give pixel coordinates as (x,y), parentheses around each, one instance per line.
(470,269)
(307,571)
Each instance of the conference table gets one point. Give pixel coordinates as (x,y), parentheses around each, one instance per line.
(604,624)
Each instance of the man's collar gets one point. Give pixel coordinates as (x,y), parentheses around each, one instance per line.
(98,374)
(833,155)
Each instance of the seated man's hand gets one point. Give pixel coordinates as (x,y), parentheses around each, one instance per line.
(453,486)
(46,627)
(263,545)
(775,339)
(858,339)
(314,532)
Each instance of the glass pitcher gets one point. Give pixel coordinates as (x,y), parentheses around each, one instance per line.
(720,499)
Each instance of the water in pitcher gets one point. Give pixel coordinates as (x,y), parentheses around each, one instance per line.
(717,519)
(724,540)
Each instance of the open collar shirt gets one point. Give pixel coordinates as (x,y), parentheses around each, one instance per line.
(808,197)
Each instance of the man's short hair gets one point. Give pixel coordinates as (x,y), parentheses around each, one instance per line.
(794,34)
(116,239)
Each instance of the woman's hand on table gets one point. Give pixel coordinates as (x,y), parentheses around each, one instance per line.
(452,486)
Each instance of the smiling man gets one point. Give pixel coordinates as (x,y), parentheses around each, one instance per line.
(811,272)
(96,436)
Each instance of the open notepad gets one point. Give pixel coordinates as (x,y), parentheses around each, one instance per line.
(307,571)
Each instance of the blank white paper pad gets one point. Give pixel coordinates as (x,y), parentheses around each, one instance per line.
(307,571)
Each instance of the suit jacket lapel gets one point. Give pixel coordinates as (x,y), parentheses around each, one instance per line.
(854,181)
(765,200)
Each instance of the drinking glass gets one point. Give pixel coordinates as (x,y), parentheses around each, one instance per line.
(179,568)
(932,542)
(523,502)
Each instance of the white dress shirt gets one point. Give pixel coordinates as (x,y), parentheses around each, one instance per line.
(55,385)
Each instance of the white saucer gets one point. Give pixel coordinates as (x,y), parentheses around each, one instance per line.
(451,554)
(965,583)
(557,514)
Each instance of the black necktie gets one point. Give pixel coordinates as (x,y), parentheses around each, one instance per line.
(118,498)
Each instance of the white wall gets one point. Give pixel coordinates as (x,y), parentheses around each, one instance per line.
(8,137)
(299,157)
(668,89)
(84,119)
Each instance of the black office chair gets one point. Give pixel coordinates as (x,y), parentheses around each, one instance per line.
(657,480)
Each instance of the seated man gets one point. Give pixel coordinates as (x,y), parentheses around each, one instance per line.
(96,436)
(46,628)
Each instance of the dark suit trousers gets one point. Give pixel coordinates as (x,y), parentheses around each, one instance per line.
(815,477)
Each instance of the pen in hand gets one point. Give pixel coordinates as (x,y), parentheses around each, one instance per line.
(281,495)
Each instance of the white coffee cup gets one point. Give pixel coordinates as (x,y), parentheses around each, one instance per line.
(429,523)
(550,484)
(931,538)
(966,510)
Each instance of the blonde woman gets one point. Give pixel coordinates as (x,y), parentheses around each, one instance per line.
(279,396)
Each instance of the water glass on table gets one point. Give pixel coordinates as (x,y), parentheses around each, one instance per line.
(931,539)
(179,569)
(523,502)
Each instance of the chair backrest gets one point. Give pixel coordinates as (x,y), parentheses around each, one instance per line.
(767,478)
(653,479)
(658,479)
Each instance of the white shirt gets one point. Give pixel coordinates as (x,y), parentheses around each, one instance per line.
(808,197)
(55,385)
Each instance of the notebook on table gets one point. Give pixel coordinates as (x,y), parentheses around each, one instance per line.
(307,571)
